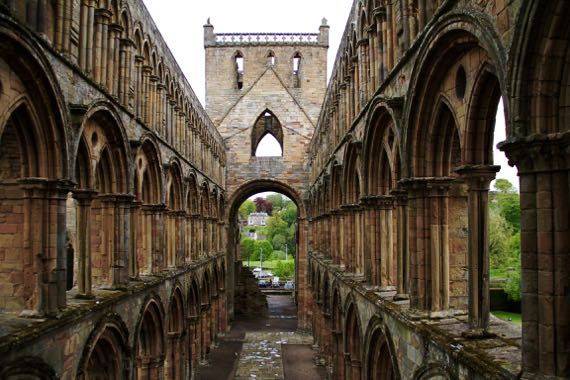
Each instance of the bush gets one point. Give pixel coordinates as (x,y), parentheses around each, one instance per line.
(284,268)
(278,255)
(513,286)
(267,250)
(246,247)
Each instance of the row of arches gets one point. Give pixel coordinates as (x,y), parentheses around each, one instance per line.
(115,52)
(403,190)
(352,345)
(83,206)
(379,36)
(167,339)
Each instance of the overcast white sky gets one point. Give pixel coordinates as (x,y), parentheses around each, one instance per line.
(181,25)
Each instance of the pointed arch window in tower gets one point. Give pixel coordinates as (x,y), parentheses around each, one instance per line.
(297,70)
(239,63)
(267,136)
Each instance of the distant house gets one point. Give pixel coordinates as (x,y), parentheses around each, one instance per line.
(257,219)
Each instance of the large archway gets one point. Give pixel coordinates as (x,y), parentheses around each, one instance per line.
(302,294)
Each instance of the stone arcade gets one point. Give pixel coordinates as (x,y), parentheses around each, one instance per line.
(119,190)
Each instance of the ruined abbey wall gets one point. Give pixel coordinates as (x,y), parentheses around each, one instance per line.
(111,180)
(401,162)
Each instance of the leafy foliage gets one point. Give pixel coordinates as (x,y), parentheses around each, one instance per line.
(246,208)
(504,235)
(262,246)
(285,268)
(246,246)
(262,205)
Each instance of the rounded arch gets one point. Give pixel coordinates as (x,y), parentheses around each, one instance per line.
(256,186)
(353,338)
(192,198)
(174,192)
(103,132)
(176,330)
(539,75)
(42,103)
(380,151)
(27,367)
(482,110)
(148,176)
(194,298)
(380,356)
(106,353)
(149,339)
(352,177)
(337,323)
(452,37)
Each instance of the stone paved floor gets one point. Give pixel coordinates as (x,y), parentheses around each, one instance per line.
(261,356)
(263,349)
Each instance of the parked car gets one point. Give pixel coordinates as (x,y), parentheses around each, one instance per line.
(275,283)
(263,283)
(290,285)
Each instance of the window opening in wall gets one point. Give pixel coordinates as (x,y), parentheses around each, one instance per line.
(271,59)
(504,233)
(267,136)
(296,70)
(268,147)
(239,62)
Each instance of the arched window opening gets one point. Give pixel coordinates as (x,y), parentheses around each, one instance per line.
(271,60)
(267,136)
(297,70)
(268,147)
(239,63)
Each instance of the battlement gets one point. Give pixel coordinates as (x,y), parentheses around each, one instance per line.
(212,39)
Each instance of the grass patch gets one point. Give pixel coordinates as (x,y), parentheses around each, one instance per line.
(505,315)
(271,264)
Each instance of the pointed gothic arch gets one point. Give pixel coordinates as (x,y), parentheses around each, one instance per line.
(266,124)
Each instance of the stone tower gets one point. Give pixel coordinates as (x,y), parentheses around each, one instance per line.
(259,84)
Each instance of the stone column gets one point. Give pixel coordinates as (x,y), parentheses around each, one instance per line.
(102,17)
(543,167)
(478,178)
(144,93)
(83,249)
(386,238)
(124,78)
(138,85)
(135,216)
(430,241)
(403,259)
(113,58)
(121,240)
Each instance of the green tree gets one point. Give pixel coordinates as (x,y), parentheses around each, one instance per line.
(276,200)
(513,286)
(499,237)
(289,213)
(258,247)
(506,199)
(291,240)
(246,208)
(246,246)
(279,241)
(285,268)
(275,226)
